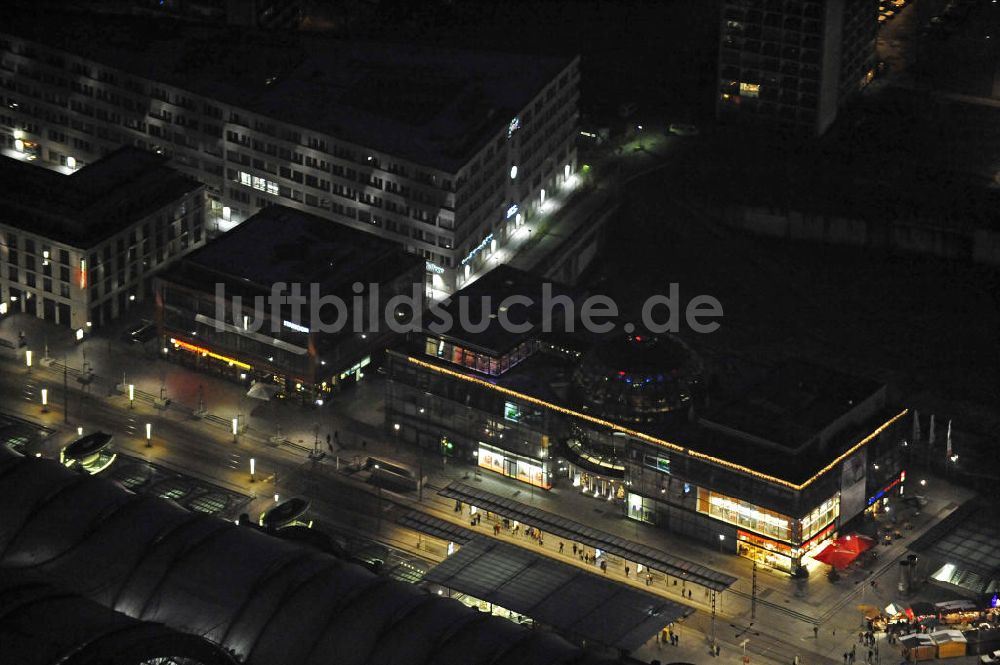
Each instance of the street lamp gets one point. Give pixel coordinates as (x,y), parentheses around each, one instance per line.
(27,360)
(131,395)
(378,517)
(149,435)
(45,400)
(253,470)
(722,539)
(236,426)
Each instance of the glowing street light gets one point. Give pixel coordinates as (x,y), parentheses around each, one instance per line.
(45,400)
(253,470)
(149,435)
(131,395)
(236,427)
(27,359)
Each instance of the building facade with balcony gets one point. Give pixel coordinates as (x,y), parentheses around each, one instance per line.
(446,152)
(79,250)
(794,63)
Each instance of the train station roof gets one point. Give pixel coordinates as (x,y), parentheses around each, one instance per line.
(573,601)
(263,600)
(563,527)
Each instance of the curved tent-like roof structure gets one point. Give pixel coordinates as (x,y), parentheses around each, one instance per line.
(264,600)
(41,625)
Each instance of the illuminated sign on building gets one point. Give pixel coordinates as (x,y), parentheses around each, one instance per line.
(514,125)
(430,266)
(512,210)
(888,488)
(294,326)
(480,247)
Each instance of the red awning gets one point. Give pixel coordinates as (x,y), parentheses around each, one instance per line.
(842,551)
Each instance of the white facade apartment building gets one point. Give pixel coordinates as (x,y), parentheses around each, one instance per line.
(447,152)
(79,250)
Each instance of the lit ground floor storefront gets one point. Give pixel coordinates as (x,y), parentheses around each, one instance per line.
(738,527)
(525,469)
(275,381)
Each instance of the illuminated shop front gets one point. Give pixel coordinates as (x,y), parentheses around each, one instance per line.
(765,551)
(744,514)
(527,470)
(597,486)
(478,361)
(642,509)
(770,538)
(594,468)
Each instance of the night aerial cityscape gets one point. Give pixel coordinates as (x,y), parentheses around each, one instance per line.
(499,332)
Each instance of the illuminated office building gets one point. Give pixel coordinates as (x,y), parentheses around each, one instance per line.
(447,152)
(79,248)
(793,63)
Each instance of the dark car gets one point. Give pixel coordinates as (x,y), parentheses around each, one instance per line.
(140,333)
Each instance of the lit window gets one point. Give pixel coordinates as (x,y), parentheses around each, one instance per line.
(750,89)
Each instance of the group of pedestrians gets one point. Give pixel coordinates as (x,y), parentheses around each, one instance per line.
(668,635)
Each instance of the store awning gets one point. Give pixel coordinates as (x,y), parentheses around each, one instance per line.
(843,551)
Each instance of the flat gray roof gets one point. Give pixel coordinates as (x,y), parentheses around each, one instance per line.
(573,601)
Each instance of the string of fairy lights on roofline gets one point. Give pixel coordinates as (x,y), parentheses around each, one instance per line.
(661,442)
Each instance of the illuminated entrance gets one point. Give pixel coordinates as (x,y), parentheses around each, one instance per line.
(527,470)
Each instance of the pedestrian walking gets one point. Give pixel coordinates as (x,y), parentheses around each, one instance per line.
(846,655)
(690,594)
(626,571)
(561,546)
(816,632)
(677,640)
(854,650)
(604,567)
(718,650)
(574,549)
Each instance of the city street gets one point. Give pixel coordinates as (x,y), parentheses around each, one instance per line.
(786,610)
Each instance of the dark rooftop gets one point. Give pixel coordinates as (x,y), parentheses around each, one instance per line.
(547,376)
(583,605)
(280,244)
(433,106)
(93,203)
(793,403)
(482,301)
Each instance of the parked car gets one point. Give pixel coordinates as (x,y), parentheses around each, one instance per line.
(682,129)
(141,332)
(990,658)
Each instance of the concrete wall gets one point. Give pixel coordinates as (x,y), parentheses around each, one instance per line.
(979,245)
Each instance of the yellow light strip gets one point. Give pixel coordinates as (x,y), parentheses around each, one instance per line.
(211,354)
(547,405)
(660,442)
